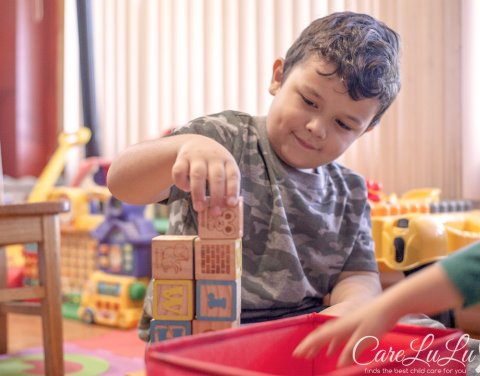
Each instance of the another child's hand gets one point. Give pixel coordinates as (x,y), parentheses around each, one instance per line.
(347,331)
(201,160)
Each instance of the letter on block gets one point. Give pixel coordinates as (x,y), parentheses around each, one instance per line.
(218,300)
(161,330)
(228,225)
(172,257)
(172,300)
(202,326)
(218,259)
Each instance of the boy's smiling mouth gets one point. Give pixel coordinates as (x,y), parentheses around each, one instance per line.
(304,143)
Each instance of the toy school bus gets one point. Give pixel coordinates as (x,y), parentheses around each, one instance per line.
(114,300)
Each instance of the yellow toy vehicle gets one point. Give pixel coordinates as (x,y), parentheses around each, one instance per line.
(408,241)
(114,300)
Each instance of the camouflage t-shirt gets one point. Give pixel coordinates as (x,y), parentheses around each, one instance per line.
(301,229)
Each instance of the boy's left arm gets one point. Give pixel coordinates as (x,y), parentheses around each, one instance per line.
(352,290)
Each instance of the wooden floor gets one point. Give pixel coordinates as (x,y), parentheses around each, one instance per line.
(26,331)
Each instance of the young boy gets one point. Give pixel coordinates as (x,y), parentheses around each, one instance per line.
(307,229)
(450,283)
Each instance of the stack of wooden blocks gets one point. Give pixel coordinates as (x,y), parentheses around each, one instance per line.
(197,279)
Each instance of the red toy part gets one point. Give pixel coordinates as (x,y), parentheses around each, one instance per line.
(15,276)
(374,190)
(266,349)
(86,167)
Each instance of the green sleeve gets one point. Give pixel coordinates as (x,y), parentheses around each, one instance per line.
(463,269)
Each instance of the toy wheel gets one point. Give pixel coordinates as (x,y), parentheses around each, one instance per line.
(87,316)
(122,322)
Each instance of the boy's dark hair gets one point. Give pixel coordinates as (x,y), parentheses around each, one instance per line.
(364,51)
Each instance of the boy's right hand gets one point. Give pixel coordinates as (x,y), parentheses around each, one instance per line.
(201,160)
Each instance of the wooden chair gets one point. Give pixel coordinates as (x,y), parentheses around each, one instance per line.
(35,223)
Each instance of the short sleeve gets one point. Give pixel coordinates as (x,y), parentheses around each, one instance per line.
(224,127)
(463,269)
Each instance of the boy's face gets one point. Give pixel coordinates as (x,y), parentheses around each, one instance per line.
(312,119)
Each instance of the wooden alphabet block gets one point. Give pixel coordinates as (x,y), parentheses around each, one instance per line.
(202,326)
(228,225)
(173,300)
(160,330)
(218,259)
(172,257)
(218,300)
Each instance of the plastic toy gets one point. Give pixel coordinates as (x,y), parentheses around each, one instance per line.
(461,234)
(406,241)
(30,269)
(78,248)
(86,168)
(422,195)
(15,276)
(113,300)
(124,240)
(53,169)
(418,228)
(413,201)
(374,189)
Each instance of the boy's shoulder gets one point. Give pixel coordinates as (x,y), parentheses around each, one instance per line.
(228,117)
(221,124)
(341,175)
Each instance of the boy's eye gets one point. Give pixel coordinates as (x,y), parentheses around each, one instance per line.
(342,125)
(308,102)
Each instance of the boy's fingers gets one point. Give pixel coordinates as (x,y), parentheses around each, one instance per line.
(334,345)
(345,358)
(358,343)
(311,344)
(180,173)
(198,178)
(232,175)
(216,186)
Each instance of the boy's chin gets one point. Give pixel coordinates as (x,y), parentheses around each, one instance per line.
(301,163)
(306,167)
(303,166)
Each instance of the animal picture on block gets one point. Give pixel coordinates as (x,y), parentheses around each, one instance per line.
(228,225)
(217,300)
(218,259)
(172,257)
(173,300)
(160,330)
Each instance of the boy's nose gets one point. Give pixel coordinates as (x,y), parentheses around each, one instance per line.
(317,128)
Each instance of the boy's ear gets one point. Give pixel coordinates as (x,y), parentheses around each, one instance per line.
(277,76)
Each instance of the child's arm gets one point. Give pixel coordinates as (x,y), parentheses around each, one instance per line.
(352,290)
(427,291)
(143,173)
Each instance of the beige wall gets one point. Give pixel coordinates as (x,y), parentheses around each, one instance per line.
(162,62)
(470,106)
(419,142)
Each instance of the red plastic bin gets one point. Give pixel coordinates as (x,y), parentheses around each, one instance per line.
(265,349)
